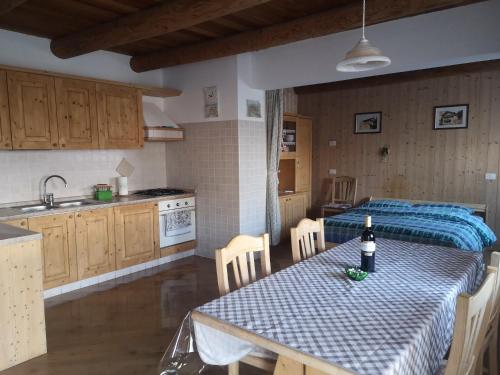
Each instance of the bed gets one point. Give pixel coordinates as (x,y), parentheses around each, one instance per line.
(434,223)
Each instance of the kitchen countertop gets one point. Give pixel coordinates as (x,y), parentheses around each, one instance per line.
(11,235)
(13,213)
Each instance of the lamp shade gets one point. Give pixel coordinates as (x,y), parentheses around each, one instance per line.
(363,57)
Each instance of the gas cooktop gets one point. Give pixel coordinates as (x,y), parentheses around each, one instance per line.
(160,192)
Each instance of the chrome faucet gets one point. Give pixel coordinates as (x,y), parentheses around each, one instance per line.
(48,199)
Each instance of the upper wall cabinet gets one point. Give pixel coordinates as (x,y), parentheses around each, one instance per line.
(44,111)
(76,114)
(32,111)
(119,113)
(5,136)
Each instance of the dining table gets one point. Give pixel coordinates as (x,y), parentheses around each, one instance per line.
(399,320)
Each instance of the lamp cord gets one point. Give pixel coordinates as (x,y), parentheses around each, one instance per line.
(364,11)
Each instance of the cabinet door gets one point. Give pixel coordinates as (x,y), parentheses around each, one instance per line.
(5,135)
(296,209)
(119,112)
(136,233)
(76,113)
(95,242)
(58,248)
(304,155)
(32,111)
(284,227)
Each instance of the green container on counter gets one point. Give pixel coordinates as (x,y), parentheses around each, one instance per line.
(104,195)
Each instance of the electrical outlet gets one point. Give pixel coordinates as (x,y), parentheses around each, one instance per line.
(332,171)
(332,143)
(490,176)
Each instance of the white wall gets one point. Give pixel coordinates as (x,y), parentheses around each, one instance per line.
(453,36)
(191,79)
(245,91)
(32,52)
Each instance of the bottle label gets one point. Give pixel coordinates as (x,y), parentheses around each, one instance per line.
(368,246)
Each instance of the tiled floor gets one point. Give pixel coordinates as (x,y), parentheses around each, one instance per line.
(123,326)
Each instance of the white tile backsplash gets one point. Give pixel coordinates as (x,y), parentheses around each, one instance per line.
(23,171)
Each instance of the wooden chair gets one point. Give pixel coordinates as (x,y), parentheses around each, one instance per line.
(240,253)
(490,345)
(472,314)
(303,244)
(343,197)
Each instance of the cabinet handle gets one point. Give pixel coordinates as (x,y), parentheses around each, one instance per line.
(54,144)
(79,215)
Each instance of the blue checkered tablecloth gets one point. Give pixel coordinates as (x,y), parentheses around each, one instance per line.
(397,321)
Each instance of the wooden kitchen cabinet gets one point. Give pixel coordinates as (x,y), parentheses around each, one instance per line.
(119,114)
(303,158)
(136,234)
(5,134)
(58,248)
(292,209)
(77,113)
(95,242)
(32,111)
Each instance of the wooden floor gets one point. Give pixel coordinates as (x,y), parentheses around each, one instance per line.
(123,326)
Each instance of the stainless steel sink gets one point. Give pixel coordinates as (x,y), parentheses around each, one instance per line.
(64,204)
(74,203)
(34,208)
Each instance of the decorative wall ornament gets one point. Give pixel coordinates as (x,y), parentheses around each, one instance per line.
(367,122)
(211,96)
(451,117)
(253,108)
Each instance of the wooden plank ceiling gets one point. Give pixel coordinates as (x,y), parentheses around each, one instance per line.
(164,33)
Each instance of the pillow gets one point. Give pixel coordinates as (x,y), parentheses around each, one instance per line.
(445,205)
(387,203)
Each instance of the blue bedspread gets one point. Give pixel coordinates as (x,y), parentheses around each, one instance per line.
(442,225)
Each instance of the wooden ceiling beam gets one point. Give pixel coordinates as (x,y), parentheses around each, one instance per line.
(335,20)
(158,20)
(7,5)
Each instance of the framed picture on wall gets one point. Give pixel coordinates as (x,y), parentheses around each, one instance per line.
(451,117)
(367,122)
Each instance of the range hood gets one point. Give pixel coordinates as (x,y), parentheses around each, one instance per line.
(155,117)
(158,126)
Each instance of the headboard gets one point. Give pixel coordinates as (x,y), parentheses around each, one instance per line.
(480,209)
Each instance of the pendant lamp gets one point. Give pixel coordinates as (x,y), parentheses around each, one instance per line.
(364,56)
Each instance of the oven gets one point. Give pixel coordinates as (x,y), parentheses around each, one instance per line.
(177,221)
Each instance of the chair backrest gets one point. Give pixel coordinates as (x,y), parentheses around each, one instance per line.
(471,321)
(240,253)
(495,263)
(303,239)
(344,189)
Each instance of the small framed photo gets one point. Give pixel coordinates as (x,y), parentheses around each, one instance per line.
(367,122)
(253,108)
(451,117)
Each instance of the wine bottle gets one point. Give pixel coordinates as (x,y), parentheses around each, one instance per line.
(368,247)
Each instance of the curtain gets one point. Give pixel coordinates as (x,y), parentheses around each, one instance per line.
(274,124)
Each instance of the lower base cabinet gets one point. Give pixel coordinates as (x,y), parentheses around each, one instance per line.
(58,248)
(136,233)
(85,244)
(292,209)
(95,242)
